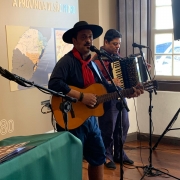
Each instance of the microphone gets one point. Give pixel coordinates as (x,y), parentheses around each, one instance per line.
(135,55)
(97,51)
(6,74)
(139,45)
(12,77)
(104,54)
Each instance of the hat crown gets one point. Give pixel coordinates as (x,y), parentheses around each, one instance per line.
(68,35)
(80,23)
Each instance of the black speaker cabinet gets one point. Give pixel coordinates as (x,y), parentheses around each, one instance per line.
(176,18)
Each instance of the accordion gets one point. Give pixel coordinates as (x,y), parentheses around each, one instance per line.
(130,71)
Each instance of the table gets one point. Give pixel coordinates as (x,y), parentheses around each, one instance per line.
(57,156)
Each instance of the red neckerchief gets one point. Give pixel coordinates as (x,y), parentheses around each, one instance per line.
(86,71)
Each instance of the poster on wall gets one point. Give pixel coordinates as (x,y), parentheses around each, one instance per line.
(33,52)
(61,47)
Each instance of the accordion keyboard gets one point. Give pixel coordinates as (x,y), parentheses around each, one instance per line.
(117,72)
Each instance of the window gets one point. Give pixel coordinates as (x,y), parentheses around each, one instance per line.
(166,51)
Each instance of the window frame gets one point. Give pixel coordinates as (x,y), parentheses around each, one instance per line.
(153,33)
(166,83)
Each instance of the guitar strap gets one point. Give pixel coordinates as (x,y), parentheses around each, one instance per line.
(96,69)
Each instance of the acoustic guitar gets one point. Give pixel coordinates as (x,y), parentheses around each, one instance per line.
(82,111)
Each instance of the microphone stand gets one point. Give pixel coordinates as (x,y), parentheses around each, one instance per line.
(148,169)
(120,105)
(65,106)
(168,128)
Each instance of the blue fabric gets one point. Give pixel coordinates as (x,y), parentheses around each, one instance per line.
(90,136)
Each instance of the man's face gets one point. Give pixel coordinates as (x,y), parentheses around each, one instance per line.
(113,46)
(84,41)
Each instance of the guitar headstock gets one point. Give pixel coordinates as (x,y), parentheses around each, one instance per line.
(150,85)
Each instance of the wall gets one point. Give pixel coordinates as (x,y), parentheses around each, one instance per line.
(107,16)
(165,105)
(23,107)
(101,12)
(89,11)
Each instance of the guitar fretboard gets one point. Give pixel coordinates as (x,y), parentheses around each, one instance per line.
(148,86)
(107,97)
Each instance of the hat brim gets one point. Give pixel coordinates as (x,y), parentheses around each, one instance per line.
(96,30)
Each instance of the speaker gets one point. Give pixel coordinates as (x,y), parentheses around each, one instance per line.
(176,18)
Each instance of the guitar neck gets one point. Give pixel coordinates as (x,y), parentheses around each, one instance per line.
(148,86)
(114,95)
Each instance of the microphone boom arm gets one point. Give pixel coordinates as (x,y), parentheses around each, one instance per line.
(13,77)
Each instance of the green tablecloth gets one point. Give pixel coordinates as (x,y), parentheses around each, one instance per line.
(58,156)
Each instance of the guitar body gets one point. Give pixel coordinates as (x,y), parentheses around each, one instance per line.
(81,111)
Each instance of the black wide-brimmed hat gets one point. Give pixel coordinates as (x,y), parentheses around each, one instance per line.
(96,30)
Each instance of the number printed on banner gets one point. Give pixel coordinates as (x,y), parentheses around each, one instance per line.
(6,126)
